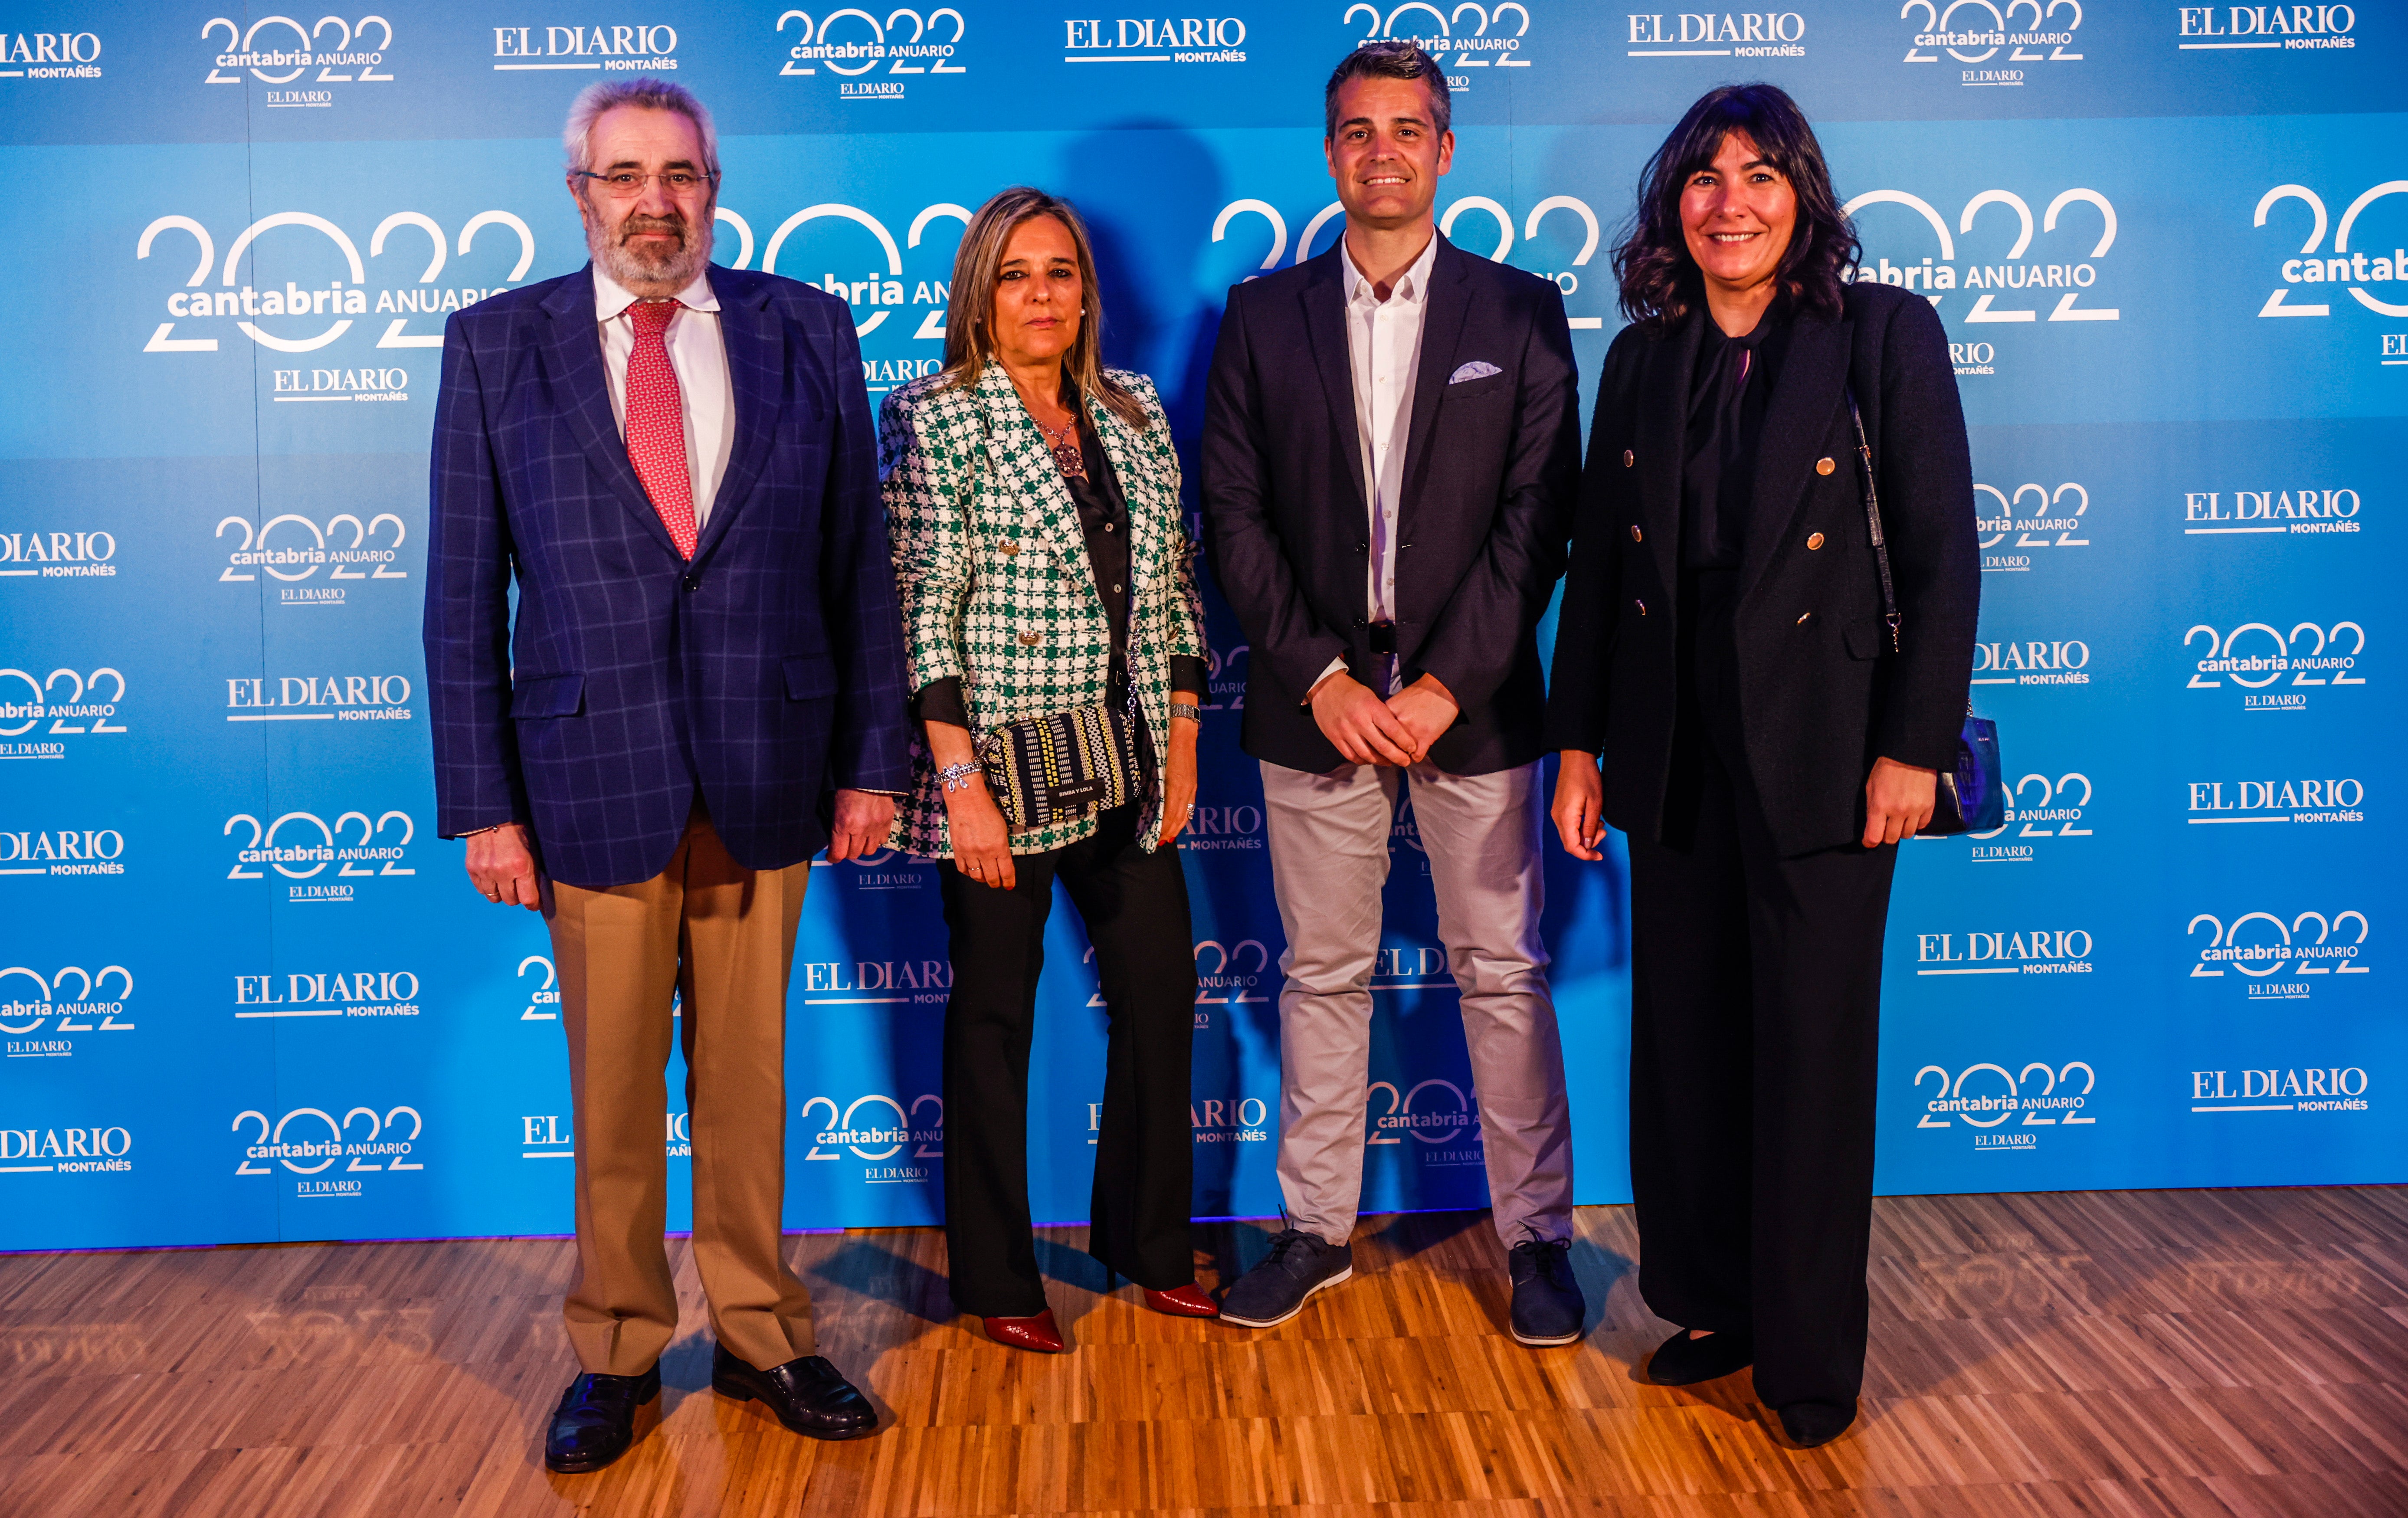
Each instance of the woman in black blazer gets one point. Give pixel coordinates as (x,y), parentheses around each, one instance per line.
(1766,741)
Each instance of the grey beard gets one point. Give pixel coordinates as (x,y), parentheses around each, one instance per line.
(629,269)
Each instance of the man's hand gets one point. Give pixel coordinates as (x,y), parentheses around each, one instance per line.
(1899,799)
(1426,708)
(502,868)
(1579,811)
(1179,778)
(862,820)
(1365,731)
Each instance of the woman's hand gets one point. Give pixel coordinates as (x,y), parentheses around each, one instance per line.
(1179,778)
(1899,799)
(982,838)
(1579,811)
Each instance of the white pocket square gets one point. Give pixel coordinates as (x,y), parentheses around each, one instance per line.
(1476,369)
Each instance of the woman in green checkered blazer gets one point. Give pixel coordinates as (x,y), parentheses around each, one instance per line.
(1033,499)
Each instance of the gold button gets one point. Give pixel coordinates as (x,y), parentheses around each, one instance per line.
(1642,606)
(1031,639)
(1635,535)
(1813,539)
(1823,466)
(1629,458)
(1010,549)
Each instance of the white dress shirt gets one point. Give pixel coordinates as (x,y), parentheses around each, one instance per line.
(1384,347)
(698,356)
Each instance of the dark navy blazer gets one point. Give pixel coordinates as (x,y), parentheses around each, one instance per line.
(1491,470)
(768,672)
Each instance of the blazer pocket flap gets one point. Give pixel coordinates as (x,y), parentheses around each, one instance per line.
(547,696)
(1866,640)
(810,675)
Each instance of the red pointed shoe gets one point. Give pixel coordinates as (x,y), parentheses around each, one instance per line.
(1187,1301)
(1038,1333)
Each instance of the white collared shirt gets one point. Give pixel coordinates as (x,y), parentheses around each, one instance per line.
(698,356)
(1384,347)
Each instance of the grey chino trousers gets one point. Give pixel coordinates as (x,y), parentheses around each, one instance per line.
(1329,839)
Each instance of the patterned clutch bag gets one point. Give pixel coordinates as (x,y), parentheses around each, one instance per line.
(1055,768)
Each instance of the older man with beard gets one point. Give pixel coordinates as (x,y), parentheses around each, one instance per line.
(703,685)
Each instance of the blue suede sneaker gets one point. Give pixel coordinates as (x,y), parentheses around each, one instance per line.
(1548,1308)
(1275,1291)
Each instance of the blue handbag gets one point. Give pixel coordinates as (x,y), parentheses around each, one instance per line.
(1972,798)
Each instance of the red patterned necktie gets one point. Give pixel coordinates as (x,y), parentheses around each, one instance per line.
(656,424)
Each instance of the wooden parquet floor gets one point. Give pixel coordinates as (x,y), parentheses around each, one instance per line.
(2227,1353)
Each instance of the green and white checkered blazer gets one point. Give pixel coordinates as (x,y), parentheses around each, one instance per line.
(996,585)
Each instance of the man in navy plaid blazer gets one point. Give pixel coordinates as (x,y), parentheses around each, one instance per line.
(703,686)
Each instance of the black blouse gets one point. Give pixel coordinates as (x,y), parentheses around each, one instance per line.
(1728,392)
(1103,517)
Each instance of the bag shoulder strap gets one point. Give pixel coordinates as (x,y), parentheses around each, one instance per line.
(1873,527)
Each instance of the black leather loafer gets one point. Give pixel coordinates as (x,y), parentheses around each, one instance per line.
(596,1421)
(1810,1423)
(808,1395)
(1683,1361)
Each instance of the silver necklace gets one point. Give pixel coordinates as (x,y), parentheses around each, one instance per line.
(1062,443)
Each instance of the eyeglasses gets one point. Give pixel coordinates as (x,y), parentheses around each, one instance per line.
(626,184)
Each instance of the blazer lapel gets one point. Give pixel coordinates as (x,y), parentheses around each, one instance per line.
(1026,468)
(1138,488)
(756,345)
(1324,322)
(1797,428)
(1662,443)
(573,354)
(1444,308)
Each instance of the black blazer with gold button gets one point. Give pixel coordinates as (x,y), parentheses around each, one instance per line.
(1821,694)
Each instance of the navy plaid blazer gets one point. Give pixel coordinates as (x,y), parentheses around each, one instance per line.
(769,672)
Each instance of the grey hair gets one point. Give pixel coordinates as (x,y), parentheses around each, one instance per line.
(1387,58)
(643,91)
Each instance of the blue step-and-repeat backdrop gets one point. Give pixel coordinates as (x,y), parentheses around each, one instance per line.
(240,976)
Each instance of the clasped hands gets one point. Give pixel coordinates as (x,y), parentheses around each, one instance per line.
(1369,731)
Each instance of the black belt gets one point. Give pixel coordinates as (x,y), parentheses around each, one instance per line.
(1383,637)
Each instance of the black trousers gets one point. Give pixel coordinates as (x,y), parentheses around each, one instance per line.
(1755,1019)
(1135,908)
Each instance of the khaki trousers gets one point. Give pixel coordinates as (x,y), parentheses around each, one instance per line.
(722,936)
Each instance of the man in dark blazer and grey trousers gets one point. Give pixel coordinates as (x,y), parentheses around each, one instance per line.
(1390,455)
(701,688)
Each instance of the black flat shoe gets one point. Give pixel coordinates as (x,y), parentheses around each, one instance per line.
(808,1395)
(1683,1361)
(596,1421)
(1816,1423)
